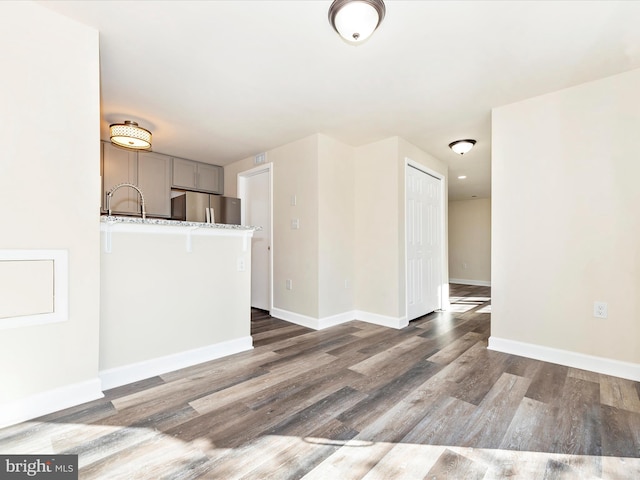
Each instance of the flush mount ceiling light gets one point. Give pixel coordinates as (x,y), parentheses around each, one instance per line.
(462,146)
(130,135)
(356,20)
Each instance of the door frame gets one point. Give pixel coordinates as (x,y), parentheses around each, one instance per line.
(241,189)
(444,282)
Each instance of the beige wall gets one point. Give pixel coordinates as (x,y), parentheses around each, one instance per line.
(318,257)
(380,223)
(295,252)
(377,229)
(50,184)
(350,202)
(470,241)
(336,230)
(566,227)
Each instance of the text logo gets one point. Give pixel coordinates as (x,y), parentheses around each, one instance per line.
(50,467)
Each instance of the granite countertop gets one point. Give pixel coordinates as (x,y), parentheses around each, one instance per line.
(172,223)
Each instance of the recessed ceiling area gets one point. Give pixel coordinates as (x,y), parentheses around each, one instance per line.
(219,81)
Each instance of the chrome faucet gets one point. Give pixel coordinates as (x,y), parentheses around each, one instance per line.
(112,191)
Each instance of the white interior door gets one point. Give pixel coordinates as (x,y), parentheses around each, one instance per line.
(255,191)
(424,242)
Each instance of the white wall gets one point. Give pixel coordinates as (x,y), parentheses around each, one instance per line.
(566,227)
(50,184)
(470,241)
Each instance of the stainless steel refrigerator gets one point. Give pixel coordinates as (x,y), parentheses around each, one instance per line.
(192,207)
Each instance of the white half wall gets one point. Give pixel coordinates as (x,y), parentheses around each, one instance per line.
(167,295)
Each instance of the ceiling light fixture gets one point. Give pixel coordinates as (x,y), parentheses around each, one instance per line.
(462,177)
(130,135)
(462,146)
(356,20)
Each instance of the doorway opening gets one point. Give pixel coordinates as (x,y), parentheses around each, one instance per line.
(255,189)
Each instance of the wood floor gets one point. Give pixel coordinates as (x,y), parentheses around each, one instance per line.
(356,401)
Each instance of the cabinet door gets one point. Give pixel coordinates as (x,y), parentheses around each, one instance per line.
(154,179)
(119,166)
(184,173)
(210,178)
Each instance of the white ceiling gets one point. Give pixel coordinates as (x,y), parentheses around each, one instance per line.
(219,81)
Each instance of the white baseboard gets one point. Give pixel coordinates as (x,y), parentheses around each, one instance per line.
(320,323)
(567,358)
(296,318)
(383,320)
(115,377)
(310,322)
(344,317)
(50,401)
(464,281)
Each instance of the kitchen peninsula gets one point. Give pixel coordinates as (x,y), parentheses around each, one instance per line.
(173,294)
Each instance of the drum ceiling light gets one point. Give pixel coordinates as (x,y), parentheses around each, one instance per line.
(356,20)
(462,146)
(130,135)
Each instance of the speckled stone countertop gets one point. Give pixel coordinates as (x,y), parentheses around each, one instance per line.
(111,220)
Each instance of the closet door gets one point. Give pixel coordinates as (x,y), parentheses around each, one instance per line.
(424,242)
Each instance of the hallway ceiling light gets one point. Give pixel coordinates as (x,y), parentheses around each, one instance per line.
(462,146)
(130,135)
(356,20)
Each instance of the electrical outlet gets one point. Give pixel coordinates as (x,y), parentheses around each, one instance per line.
(294,200)
(240,264)
(347,284)
(600,309)
(289,284)
(464,265)
(295,224)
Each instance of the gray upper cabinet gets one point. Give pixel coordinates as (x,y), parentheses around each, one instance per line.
(150,171)
(197,176)
(154,179)
(119,166)
(210,178)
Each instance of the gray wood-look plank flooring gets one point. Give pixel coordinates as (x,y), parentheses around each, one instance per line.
(356,401)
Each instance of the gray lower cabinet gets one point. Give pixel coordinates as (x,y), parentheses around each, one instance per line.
(197,176)
(150,171)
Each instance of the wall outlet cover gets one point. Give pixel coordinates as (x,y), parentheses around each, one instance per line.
(600,309)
